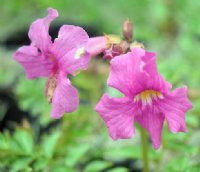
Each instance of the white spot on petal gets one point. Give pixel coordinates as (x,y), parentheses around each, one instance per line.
(79,53)
(142,65)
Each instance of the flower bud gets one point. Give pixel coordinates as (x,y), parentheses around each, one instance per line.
(96,45)
(116,50)
(113,51)
(128,30)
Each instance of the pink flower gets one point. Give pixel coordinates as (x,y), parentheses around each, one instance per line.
(147,98)
(55,60)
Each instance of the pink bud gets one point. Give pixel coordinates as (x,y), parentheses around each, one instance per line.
(127,30)
(97,45)
(113,51)
(116,50)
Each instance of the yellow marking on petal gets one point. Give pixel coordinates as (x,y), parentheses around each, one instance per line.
(79,53)
(159,95)
(147,96)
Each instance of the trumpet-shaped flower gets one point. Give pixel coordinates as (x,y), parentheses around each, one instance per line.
(55,60)
(147,98)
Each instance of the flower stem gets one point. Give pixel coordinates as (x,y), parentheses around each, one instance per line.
(144,147)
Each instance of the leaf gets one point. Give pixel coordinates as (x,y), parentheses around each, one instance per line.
(32,98)
(119,169)
(40,164)
(123,152)
(24,140)
(178,164)
(49,143)
(95,166)
(21,164)
(61,168)
(75,154)
(3,143)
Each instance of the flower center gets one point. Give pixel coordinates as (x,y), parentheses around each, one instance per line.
(55,63)
(50,88)
(147,96)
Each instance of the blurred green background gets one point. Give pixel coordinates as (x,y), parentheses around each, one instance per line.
(31,141)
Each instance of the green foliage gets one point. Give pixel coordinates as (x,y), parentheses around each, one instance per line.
(34,103)
(49,144)
(119,169)
(96,166)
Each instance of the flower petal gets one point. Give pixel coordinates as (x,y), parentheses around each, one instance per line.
(118,116)
(69,37)
(65,98)
(123,70)
(136,71)
(38,32)
(97,45)
(154,80)
(33,62)
(174,107)
(152,120)
(70,64)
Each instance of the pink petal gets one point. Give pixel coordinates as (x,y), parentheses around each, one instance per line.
(70,64)
(65,98)
(69,37)
(152,120)
(97,45)
(118,116)
(123,70)
(38,32)
(154,80)
(136,71)
(174,106)
(33,62)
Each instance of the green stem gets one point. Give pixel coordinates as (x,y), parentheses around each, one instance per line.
(144,147)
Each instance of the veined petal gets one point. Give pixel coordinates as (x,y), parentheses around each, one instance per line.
(69,37)
(118,116)
(123,71)
(152,120)
(174,106)
(65,98)
(33,62)
(154,80)
(136,71)
(75,60)
(38,32)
